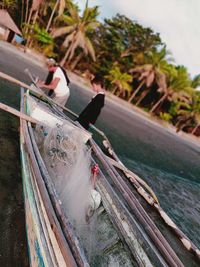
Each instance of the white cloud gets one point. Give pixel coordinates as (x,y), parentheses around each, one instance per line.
(177,21)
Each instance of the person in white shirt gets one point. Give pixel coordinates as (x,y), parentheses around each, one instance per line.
(57,82)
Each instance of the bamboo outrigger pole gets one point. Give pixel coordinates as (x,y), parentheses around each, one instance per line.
(31,89)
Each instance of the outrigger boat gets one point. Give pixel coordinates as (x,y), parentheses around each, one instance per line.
(78,216)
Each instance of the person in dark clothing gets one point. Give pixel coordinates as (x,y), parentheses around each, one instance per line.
(93,109)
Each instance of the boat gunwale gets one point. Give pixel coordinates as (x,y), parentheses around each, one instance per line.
(55,224)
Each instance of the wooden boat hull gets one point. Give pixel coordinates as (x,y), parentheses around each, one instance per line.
(50,236)
(51,239)
(41,239)
(46,242)
(48,245)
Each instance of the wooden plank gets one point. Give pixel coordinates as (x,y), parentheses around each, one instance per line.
(52,244)
(38,252)
(70,261)
(13,80)
(55,226)
(26,86)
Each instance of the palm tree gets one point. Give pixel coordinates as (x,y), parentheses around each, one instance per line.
(60,6)
(26,12)
(42,40)
(76,32)
(8,4)
(196,81)
(179,84)
(33,15)
(142,79)
(120,81)
(52,14)
(152,71)
(22,12)
(196,110)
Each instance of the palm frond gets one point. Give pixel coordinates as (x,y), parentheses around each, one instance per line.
(68,39)
(92,26)
(67,19)
(61,8)
(90,48)
(61,31)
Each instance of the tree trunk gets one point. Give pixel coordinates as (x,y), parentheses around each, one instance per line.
(35,16)
(78,58)
(28,22)
(143,95)
(183,122)
(30,41)
(29,17)
(52,14)
(178,123)
(26,14)
(119,93)
(186,124)
(62,62)
(136,91)
(22,13)
(161,100)
(115,90)
(194,130)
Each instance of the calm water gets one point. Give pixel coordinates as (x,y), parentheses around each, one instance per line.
(170,165)
(13,250)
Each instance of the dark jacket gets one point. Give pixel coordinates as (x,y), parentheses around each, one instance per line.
(92,111)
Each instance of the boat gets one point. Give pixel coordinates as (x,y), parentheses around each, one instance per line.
(111,228)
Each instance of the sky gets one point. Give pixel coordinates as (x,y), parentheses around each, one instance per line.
(177,21)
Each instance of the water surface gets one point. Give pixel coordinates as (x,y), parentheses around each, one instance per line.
(13,248)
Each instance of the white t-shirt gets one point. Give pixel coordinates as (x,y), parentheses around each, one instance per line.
(61,89)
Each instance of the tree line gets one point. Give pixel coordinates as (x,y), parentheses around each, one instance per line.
(132,60)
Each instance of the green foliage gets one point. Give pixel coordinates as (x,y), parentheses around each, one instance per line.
(40,34)
(77,32)
(196,81)
(8,4)
(122,40)
(146,109)
(120,80)
(177,108)
(165,116)
(41,40)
